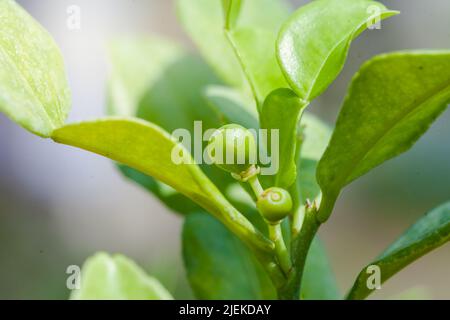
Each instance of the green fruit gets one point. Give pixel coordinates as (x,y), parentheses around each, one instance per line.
(274,204)
(233,149)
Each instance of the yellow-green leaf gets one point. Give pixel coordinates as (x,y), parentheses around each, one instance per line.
(33,85)
(106,277)
(147,148)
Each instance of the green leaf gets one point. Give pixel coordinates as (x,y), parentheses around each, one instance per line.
(319,282)
(232,10)
(232,106)
(146,72)
(219,266)
(106,277)
(137,64)
(255,48)
(203,20)
(146,147)
(167,195)
(34,91)
(253,36)
(430,232)
(392,102)
(282,111)
(313,44)
(316,135)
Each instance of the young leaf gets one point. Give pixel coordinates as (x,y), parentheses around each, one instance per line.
(430,232)
(319,282)
(253,36)
(281,111)
(313,44)
(34,86)
(147,148)
(106,277)
(392,101)
(219,266)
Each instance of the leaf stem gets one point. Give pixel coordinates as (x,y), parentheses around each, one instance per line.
(276,235)
(256,186)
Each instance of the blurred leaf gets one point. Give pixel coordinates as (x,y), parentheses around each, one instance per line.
(428,233)
(34,86)
(313,44)
(282,111)
(316,135)
(253,37)
(415,293)
(219,266)
(106,277)
(392,102)
(232,107)
(147,148)
(203,20)
(167,195)
(137,64)
(176,100)
(232,10)
(319,282)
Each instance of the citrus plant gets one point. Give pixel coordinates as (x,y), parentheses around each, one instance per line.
(246,235)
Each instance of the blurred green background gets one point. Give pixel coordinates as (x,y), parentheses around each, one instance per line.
(59,205)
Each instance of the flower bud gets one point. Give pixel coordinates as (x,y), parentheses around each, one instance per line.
(274,204)
(233,149)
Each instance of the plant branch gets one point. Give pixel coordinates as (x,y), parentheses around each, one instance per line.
(300,248)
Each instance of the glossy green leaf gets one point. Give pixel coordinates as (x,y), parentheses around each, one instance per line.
(219,266)
(282,111)
(232,9)
(319,282)
(252,36)
(313,44)
(34,91)
(428,233)
(106,277)
(146,147)
(392,102)
(232,107)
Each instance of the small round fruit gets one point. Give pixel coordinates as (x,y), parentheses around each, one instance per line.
(232,148)
(274,204)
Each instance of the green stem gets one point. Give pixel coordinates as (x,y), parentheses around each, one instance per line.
(282,252)
(300,247)
(256,186)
